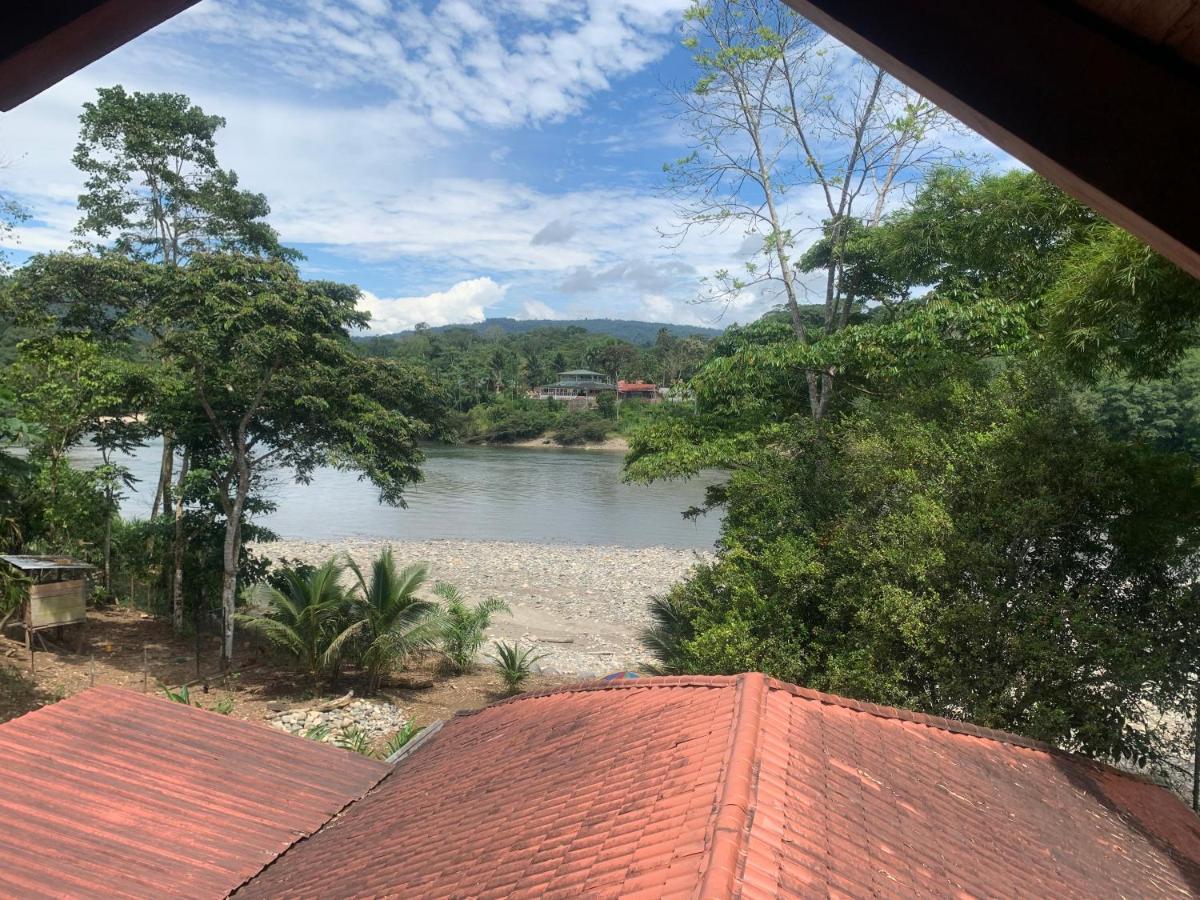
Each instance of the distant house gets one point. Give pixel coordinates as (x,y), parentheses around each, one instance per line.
(638,390)
(729,786)
(579,388)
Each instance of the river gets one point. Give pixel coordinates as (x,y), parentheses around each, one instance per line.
(552,496)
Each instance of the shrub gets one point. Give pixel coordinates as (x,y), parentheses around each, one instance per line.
(515,663)
(580,427)
(400,739)
(463,627)
(510,420)
(355,740)
(393,621)
(309,619)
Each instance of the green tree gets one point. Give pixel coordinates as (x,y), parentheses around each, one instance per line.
(773,109)
(77,389)
(980,549)
(1163,413)
(267,356)
(154,187)
(155,192)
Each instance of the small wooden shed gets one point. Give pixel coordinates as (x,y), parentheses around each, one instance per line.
(56,594)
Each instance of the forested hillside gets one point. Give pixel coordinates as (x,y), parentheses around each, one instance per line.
(629,330)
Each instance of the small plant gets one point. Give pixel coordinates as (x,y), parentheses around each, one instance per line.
(317,732)
(463,627)
(515,663)
(224,706)
(183,695)
(355,739)
(400,738)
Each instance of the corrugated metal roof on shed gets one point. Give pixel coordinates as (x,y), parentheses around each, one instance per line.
(117,794)
(44,563)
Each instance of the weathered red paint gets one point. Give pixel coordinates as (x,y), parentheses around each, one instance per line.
(116,794)
(745,787)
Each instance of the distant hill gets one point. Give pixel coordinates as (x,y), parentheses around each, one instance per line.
(626,329)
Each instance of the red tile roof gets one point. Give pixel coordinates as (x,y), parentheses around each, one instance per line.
(636,386)
(739,786)
(117,794)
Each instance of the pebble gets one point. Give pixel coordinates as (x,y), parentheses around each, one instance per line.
(374,719)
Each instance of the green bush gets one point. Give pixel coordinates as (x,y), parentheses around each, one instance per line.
(514,663)
(463,627)
(581,427)
(505,421)
(394,622)
(310,619)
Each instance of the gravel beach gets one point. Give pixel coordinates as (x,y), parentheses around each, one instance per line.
(582,606)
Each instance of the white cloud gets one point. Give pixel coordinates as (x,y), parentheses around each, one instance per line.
(466,301)
(535,309)
(464,62)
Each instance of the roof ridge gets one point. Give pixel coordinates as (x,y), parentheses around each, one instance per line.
(715,681)
(732,813)
(955,726)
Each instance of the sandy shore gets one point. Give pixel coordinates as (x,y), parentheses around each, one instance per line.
(616,443)
(582,606)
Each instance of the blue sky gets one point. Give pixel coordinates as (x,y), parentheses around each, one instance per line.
(454,160)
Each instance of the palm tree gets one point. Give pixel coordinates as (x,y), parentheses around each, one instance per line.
(309,619)
(665,638)
(463,627)
(393,621)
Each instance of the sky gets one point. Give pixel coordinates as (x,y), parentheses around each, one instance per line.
(456,160)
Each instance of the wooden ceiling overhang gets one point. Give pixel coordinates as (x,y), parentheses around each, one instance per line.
(1100,96)
(44,41)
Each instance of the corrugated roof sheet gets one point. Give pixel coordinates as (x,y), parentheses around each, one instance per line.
(44,563)
(116,794)
(719,787)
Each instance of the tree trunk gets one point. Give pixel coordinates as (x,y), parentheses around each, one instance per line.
(165,467)
(177,551)
(233,529)
(1196,749)
(108,517)
(228,591)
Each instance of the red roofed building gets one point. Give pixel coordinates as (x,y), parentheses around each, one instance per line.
(117,794)
(739,787)
(637,390)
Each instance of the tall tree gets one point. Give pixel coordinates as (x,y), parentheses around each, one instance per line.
(776,111)
(267,356)
(156,192)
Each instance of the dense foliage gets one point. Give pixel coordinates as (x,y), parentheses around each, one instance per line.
(486,375)
(970,529)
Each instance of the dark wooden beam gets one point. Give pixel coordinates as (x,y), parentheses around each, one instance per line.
(54,38)
(1103,116)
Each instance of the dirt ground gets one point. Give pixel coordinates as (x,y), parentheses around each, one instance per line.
(130,649)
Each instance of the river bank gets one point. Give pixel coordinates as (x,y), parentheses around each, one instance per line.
(583,606)
(613,443)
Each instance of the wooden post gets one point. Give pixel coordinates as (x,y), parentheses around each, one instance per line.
(92,669)
(145,670)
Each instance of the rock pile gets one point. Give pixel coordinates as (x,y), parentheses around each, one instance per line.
(375,720)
